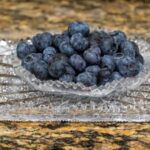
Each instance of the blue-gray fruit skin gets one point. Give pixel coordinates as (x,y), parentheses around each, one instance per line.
(91,58)
(66,48)
(60,67)
(59,38)
(40,70)
(95,70)
(108,61)
(60,56)
(48,54)
(128,66)
(140,58)
(42,41)
(24,49)
(77,62)
(118,37)
(96,36)
(107,46)
(69,70)
(95,49)
(57,68)
(78,42)
(104,76)
(29,61)
(115,76)
(86,78)
(105,73)
(67,78)
(129,48)
(79,27)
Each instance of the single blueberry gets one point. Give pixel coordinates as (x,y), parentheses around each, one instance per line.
(40,70)
(48,54)
(95,69)
(108,61)
(67,78)
(128,66)
(115,76)
(95,49)
(107,45)
(60,67)
(60,56)
(66,48)
(118,37)
(78,27)
(139,58)
(77,62)
(91,58)
(105,73)
(86,78)
(104,76)
(69,70)
(96,37)
(23,49)
(79,42)
(129,48)
(59,38)
(42,41)
(65,33)
(29,61)
(57,68)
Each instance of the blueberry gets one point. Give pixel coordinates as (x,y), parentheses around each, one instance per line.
(118,37)
(140,58)
(128,66)
(40,70)
(95,69)
(97,36)
(57,68)
(29,61)
(91,57)
(59,38)
(67,78)
(117,57)
(108,61)
(86,78)
(66,33)
(129,48)
(60,67)
(66,48)
(95,49)
(60,56)
(115,76)
(48,54)
(107,46)
(77,62)
(104,75)
(78,27)
(42,41)
(69,70)
(23,49)
(79,42)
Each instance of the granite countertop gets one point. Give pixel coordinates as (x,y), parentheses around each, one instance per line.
(23,19)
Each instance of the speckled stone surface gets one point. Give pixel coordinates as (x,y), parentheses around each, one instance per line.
(23,19)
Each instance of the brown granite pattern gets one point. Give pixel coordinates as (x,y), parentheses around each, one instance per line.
(19,19)
(74,136)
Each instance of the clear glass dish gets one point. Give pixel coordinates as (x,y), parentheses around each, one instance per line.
(21,100)
(78,89)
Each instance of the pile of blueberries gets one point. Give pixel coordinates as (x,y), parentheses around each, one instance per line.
(78,55)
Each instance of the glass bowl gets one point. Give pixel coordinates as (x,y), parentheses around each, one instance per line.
(22,102)
(114,87)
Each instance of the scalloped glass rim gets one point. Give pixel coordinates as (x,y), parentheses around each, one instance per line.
(115,87)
